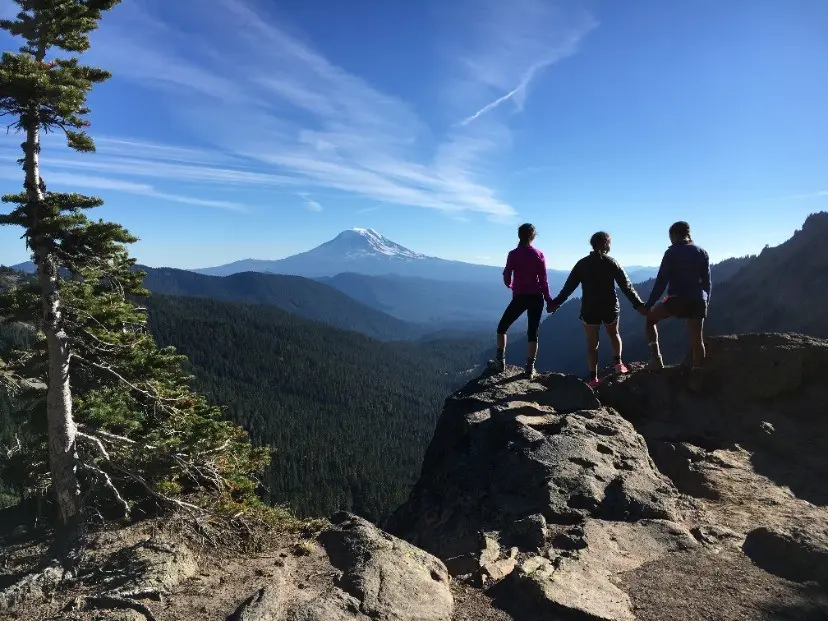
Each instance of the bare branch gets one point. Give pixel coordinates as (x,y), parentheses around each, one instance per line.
(158,496)
(109,485)
(96,441)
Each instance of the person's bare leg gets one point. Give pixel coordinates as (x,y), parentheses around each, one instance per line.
(658,313)
(532,352)
(592,341)
(617,346)
(501,341)
(615,339)
(696,329)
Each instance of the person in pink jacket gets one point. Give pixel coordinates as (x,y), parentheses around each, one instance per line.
(525,275)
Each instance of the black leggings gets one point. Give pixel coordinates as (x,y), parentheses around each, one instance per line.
(532,305)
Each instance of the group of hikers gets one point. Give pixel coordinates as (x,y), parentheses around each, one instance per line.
(684,273)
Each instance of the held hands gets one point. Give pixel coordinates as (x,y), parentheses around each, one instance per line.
(551,306)
(643,310)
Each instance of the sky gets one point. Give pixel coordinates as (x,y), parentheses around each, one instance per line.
(261,128)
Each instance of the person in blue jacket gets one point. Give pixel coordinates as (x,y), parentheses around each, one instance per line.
(685,274)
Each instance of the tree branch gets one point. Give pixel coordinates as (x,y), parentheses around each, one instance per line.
(109,485)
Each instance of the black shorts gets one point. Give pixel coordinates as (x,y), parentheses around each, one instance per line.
(684,308)
(532,305)
(596,318)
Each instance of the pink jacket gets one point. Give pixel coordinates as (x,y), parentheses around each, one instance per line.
(525,272)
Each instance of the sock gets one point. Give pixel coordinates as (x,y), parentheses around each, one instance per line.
(501,354)
(530,362)
(616,359)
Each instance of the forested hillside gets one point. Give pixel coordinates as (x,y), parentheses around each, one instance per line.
(347,417)
(300,296)
(784,289)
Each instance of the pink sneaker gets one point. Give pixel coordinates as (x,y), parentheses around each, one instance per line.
(621,368)
(594,382)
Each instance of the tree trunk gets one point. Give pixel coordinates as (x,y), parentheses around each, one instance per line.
(61,425)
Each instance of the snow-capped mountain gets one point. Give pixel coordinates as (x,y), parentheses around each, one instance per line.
(362,243)
(367,252)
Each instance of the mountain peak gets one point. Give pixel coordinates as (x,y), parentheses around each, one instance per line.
(364,243)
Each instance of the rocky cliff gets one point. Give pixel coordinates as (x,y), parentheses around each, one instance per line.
(658,497)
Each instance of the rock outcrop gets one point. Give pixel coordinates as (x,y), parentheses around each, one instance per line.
(567,493)
(377,577)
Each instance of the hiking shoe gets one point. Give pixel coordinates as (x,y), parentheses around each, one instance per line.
(530,372)
(621,368)
(655,363)
(594,382)
(497,366)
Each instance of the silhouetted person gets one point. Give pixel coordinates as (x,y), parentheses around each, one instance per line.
(525,275)
(685,273)
(598,273)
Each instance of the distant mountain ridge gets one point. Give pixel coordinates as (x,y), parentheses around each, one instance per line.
(367,252)
(300,296)
(452,305)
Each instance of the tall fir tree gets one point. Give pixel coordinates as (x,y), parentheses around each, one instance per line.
(138,431)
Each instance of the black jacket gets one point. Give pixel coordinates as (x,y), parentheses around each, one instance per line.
(597,274)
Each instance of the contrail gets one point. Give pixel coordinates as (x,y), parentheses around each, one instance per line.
(492,105)
(524,82)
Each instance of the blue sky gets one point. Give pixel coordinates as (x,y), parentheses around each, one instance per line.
(262,128)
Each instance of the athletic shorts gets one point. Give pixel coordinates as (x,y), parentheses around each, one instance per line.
(592,318)
(684,308)
(532,305)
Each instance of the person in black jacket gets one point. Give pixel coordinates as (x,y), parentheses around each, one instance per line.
(598,273)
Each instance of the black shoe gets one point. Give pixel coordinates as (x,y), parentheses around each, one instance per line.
(497,366)
(529,371)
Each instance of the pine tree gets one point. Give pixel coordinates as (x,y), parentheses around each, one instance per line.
(139,435)
(46,96)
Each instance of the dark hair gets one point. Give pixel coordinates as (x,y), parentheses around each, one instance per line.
(526,233)
(600,242)
(680,230)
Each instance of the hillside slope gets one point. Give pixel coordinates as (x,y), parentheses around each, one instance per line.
(449,305)
(347,417)
(300,296)
(785,288)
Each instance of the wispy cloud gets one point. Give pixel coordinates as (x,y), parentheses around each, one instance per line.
(269,112)
(819,194)
(368,209)
(515,42)
(66,181)
(311,204)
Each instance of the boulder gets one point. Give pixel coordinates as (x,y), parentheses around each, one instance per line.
(529,532)
(391,579)
(580,581)
(152,566)
(378,577)
(797,552)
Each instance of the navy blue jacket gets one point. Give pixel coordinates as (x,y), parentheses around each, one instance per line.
(686,268)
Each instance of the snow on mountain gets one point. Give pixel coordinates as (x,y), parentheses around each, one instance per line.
(361,243)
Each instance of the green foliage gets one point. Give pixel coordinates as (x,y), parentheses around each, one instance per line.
(145,437)
(347,418)
(144,430)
